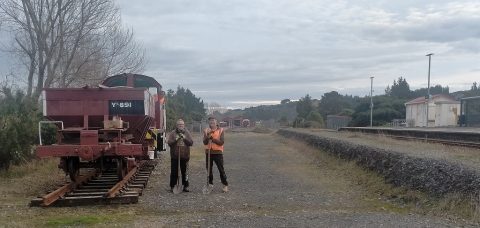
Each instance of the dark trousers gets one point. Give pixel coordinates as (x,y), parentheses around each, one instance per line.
(174,172)
(218,159)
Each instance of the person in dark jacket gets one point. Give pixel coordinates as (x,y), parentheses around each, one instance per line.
(180,141)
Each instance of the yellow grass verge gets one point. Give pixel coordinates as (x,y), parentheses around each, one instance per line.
(452,206)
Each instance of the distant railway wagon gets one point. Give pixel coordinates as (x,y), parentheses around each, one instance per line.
(470,112)
(116,124)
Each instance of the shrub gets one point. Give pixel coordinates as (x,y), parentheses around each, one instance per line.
(18,121)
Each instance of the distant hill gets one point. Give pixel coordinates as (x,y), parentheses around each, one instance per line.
(465,93)
(265,112)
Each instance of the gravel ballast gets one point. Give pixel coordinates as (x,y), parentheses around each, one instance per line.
(273,183)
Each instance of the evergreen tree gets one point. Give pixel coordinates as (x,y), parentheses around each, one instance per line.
(304,106)
(182,103)
(474,87)
(333,103)
(18,127)
(386,108)
(399,89)
(284,101)
(437,89)
(316,118)
(474,90)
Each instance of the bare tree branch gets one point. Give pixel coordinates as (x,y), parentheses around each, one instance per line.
(70,42)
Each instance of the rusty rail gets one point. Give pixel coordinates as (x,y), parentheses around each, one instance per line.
(117,187)
(59,193)
(95,188)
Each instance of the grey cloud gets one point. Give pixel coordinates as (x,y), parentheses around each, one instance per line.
(467,45)
(267,50)
(436,31)
(455,21)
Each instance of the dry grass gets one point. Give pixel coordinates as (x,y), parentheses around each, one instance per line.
(29,179)
(393,199)
(262,130)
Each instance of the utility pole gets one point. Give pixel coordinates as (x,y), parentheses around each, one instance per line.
(428,86)
(371,101)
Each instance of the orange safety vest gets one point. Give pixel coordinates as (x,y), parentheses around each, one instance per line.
(216,135)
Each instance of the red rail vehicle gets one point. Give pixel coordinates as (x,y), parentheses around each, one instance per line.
(116,124)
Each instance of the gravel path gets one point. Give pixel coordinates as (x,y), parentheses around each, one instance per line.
(273,183)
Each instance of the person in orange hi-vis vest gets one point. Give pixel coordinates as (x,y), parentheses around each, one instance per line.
(213,139)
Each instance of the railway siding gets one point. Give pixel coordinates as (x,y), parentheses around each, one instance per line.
(468,135)
(434,176)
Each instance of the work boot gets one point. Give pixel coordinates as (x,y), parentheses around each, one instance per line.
(225,188)
(186,189)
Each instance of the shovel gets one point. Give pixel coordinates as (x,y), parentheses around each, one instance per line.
(178,187)
(206,188)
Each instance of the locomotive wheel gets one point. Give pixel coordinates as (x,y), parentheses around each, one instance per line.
(73,167)
(121,168)
(100,165)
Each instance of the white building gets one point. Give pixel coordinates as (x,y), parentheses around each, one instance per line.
(443,111)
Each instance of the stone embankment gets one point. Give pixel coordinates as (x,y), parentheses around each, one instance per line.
(436,177)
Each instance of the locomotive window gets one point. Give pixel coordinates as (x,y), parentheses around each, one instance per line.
(117,81)
(142,82)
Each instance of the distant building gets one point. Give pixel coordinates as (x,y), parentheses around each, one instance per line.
(470,112)
(336,122)
(443,110)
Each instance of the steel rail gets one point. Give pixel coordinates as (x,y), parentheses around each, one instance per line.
(60,192)
(469,144)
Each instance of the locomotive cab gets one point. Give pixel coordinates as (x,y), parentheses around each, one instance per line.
(156,133)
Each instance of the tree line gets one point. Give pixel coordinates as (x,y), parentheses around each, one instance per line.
(311,112)
(387,107)
(182,103)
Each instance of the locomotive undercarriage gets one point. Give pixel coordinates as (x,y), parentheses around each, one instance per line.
(72,165)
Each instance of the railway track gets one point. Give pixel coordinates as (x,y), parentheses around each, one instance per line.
(93,188)
(430,140)
(441,141)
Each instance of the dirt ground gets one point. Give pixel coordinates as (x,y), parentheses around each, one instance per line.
(273,183)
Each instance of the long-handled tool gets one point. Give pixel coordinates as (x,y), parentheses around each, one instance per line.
(207,189)
(178,187)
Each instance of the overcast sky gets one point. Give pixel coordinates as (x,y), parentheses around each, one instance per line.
(246,52)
